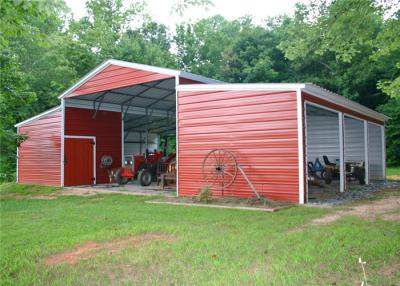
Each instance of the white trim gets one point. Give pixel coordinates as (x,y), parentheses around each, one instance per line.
(122,140)
(366,152)
(166,71)
(94,151)
(62,140)
(383,151)
(305,149)
(240,86)
(341,154)
(16,179)
(38,116)
(321,106)
(300,145)
(306,87)
(177,135)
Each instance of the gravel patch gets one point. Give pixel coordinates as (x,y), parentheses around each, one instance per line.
(356,192)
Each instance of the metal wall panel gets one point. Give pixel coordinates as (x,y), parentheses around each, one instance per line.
(258,127)
(354,145)
(375,152)
(39,156)
(133,145)
(106,127)
(322,135)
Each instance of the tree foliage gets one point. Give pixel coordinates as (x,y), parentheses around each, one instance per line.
(351,47)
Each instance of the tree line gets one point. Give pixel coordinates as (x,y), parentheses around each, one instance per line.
(351,47)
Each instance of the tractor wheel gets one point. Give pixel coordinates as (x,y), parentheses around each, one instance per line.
(145,178)
(328,178)
(120,179)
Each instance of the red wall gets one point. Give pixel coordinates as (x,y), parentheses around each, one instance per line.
(116,77)
(40,155)
(259,127)
(106,127)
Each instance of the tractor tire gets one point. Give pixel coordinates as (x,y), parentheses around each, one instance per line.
(328,178)
(119,179)
(145,177)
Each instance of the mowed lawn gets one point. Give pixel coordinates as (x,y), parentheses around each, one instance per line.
(176,245)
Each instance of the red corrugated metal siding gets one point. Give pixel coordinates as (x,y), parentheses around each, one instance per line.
(331,105)
(259,127)
(106,127)
(40,155)
(115,77)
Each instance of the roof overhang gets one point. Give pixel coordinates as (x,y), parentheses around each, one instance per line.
(306,87)
(164,71)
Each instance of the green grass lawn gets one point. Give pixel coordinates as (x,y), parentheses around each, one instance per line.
(210,246)
(393,172)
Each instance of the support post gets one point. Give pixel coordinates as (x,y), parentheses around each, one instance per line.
(366,152)
(341,152)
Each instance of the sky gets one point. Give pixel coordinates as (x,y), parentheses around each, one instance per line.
(230,9)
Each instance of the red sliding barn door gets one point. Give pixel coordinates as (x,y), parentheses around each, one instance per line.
(79,161)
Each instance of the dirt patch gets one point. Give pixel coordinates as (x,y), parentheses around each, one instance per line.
(391,216)
(91,248)
(42,197)
(391,270)
(367,211)
(370,210)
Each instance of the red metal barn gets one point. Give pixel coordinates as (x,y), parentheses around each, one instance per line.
(273,131)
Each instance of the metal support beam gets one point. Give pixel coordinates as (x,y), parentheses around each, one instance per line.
(341,152)
(366,152)
(160,99)
(101,98)
(129,101)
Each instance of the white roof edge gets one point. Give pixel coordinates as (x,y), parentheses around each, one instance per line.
(38,116)
(240,86)
(307,87)
(109,62)
(86,78)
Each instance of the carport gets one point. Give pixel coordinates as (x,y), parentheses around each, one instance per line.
(270,131)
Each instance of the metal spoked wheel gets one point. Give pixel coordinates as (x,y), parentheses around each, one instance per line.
(220,168)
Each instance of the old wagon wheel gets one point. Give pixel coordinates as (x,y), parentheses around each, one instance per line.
(220,168)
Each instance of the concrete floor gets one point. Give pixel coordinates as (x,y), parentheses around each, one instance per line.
(136,188)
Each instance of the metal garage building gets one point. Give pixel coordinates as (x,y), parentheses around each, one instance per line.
(273,130)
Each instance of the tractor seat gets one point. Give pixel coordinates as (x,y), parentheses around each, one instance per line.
(327,162)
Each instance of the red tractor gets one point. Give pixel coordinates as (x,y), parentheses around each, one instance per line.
(146,170)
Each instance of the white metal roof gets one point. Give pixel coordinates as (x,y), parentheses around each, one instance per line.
(165,71)
(306,87)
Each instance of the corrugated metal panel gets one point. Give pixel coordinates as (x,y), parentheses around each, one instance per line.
(106,127)
(322,134)
(40,155)
(133,145)
(114,77)
(259,127)
(375,152)
(354,145)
